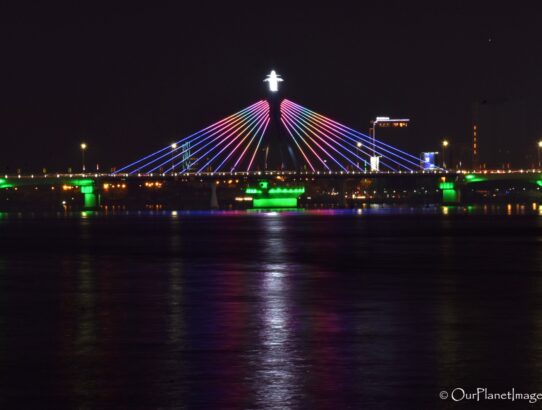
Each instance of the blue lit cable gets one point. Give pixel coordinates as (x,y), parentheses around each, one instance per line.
(296,125)
(302,123)
(322,135)
(334,133)
(349,131)
(206,129)
(254,121)
(226,137)
(258,125)
(235,125)
(296,143)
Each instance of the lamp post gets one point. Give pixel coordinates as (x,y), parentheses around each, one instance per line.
(445,144)
(173,148)
(83,149)
(359,145)
(539,148)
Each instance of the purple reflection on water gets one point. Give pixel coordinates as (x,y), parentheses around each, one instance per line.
(323,309)
(275,379)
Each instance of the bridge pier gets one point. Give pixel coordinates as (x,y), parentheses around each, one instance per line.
(214,197)
(91,198)
(451,194)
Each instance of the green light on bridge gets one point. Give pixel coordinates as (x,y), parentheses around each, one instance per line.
(4,183)
(450,194)
(447,185)
(275,202)
(86,186)
(80,182)
(275,197)
(539,182)
(276,191)
(288,191)
(90,201)
(87,189)
(474,178)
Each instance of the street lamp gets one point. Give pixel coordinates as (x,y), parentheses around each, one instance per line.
(359,145)
(445,144)
(173,148)
(539,148)
(83,149)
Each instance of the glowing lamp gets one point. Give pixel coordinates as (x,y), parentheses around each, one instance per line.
(273,79)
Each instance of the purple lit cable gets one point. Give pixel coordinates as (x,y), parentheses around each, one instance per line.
(214,125)
(221,137)
(220,131)
(256,126)
(316,127)
(306,130)
(224,139)
(296,143)
(333,125)
(258,145)
(296,124)
(262,124)
(322,135)
(347,129)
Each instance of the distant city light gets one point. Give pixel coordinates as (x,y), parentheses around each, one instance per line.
(387,122)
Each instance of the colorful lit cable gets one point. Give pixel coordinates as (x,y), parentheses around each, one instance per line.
(345,141)
(209,137)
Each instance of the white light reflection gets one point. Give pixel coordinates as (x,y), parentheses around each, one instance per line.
(85,342)
(176,328)
(86,321)
(276,374)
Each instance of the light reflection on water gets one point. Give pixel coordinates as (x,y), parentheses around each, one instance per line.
(276,376)
(370,307)
(365,210)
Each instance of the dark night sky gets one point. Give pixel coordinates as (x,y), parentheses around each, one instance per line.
(129,79)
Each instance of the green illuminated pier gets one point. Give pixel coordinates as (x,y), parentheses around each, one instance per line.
(450,192)
(274,197)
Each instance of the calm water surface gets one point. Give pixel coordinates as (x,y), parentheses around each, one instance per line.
(373,308)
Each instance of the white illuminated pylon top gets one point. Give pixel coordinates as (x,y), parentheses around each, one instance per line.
(273,78)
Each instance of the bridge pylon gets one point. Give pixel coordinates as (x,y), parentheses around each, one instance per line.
(451,192)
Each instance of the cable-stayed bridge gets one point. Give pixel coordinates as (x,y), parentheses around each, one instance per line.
(304,140)
(273,152)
